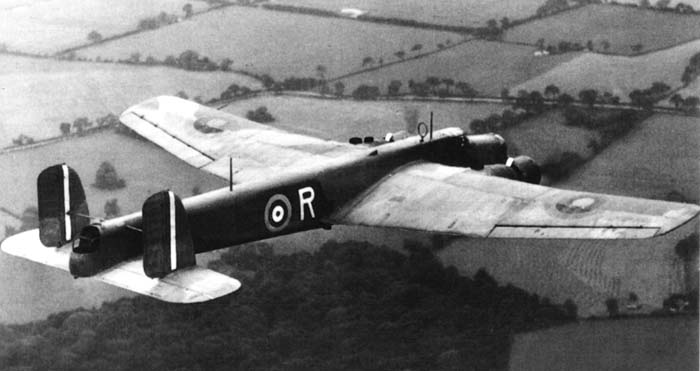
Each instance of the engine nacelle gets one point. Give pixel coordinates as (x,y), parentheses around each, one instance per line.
(521,168)
(473,151)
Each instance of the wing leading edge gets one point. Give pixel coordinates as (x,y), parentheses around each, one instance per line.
(205,138)
(452,200)
(190,285)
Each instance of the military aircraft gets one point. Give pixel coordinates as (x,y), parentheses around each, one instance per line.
(441,181)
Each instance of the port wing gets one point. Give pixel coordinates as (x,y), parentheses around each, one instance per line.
(205,138)
(443,199)
(188,285)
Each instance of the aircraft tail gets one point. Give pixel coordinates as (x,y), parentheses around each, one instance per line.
(167,240)
(63,209)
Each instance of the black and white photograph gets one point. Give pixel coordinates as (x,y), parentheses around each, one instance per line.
(408,185)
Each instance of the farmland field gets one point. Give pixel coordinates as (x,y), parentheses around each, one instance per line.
(276,43)
(45,27)
(487,66)
(546,137)
(659,159)
(616,74)
(630,344)
(342,119)
(39,94)
(471,13)
(620,26)
(29,290)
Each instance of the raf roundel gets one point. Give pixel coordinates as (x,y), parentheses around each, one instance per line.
(278,211)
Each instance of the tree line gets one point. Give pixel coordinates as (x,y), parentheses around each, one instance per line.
(348,306)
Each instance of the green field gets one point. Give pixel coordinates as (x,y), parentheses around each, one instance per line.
(470,13)
(341,119)
(29,290)
(276,43)
(50,26)
(629,344)
(38,94)
(487,66)
(659,157)
(615,74)
(620,26)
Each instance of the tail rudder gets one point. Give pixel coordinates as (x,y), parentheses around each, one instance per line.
(167,240)
(63,209)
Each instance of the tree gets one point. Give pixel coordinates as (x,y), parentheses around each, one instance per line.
(605,44)
(80,124)
(551,91)
(465,89)
(225,64)
(565,100)
(109,119)
(571,309)
(394,87)
(589,45)
(505,94)
(636,47)
(106,177)
(260,115)
(400,54)
(433,82)
(416,47)
(613,307)
(94,36)
(366,92)
(339,88)
(112,208)
(367,61)
(662,4)
(690,104)
(134,58)
(187,8)
(65,128)
(267,81)
(677,100)
(536,102)
(182,94)
(644,4)
(505,23)
(588,96)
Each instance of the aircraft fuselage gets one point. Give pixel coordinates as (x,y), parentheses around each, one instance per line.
(286,203)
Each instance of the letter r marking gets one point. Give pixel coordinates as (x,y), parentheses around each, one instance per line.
(306,197)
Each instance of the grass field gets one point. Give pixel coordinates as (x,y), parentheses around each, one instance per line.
(660,156)
(487,66)
(620,26)
(29,290)
(341,119)
(277,43)
(470,13)
(39,94)
(52,25)
(630,344)
(546,137)
(616,74)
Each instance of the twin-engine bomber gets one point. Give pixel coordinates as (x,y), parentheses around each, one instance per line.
(442,181)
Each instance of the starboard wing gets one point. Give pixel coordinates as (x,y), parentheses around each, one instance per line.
(443,199)
(205,138)
(188,285)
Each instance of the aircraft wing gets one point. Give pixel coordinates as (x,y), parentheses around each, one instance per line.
(188,285)
(443,199)
(205,138)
